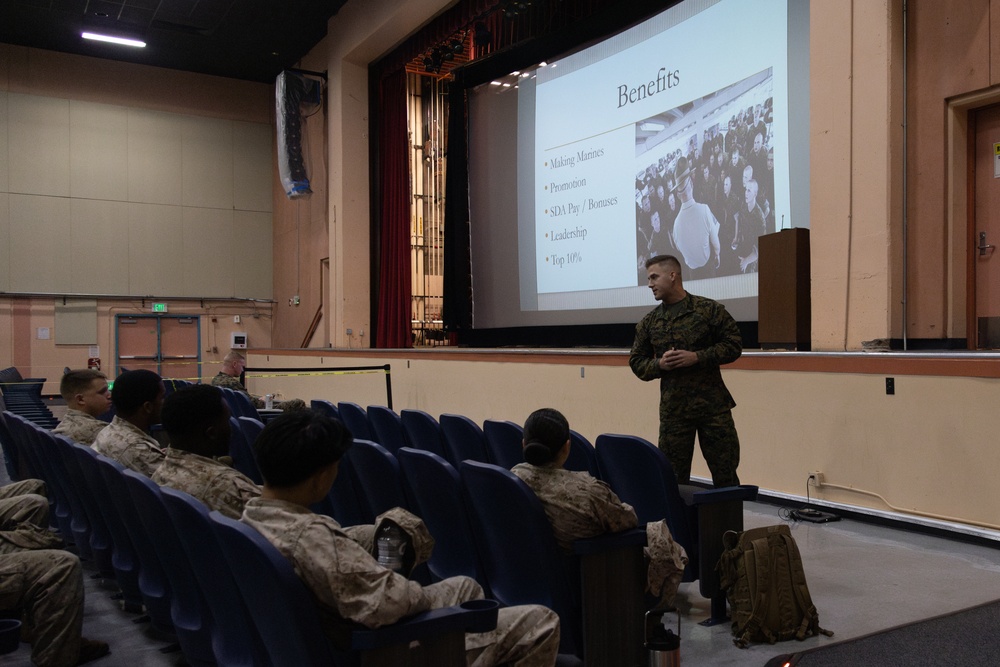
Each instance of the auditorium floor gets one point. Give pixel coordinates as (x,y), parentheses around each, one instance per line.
(862,578)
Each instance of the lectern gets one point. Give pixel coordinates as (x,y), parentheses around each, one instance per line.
(783,302)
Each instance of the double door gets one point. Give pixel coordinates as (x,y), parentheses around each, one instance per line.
(169,345)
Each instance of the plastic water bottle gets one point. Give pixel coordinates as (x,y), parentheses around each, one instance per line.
(391,541)
(268,401)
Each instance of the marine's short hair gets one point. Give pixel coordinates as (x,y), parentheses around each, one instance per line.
(664,259)
(78,381)
(296,445)
(134,388)
(190,410)
(545,432)
(233,356)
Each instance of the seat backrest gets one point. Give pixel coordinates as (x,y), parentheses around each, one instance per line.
(387,427)
(326,407)
(242,453)
(434,490)
(422,431)
(251,429)
(189,612)
(642,476)
(62,470)
(582,456)
(355,419)
(518,550)
(376,472)
(153,583)
(284,612)
(463,439)
(101,547)
(504,438)
(123,558)
(239,403)
(234,644)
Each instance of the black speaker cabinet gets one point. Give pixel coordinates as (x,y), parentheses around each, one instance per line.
(783,302)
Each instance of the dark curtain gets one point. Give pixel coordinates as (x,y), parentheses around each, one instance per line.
(394,293)
(457,313)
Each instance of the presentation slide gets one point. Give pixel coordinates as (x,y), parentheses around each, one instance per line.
(673,137)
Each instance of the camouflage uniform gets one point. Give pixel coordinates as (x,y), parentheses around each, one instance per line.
(80,427)
(579,506)
(129,445)
(692,399)
(217,485)
(349,584)
(24,517)
(230,382)
(46,589)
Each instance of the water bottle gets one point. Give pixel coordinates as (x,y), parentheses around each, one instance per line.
(391,542)
(268,401)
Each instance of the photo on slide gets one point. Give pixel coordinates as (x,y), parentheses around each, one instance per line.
(704,184)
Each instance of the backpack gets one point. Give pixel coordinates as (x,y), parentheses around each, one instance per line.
(761,573)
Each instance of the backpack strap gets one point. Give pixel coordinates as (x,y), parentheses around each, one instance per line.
(763,566)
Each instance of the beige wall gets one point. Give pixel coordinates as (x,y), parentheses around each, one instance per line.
(929,447)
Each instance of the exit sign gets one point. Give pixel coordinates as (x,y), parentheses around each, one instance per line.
(159,307)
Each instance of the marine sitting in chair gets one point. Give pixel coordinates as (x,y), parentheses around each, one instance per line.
(299,454)
(229,377)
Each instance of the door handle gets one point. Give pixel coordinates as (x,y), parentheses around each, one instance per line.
(983,245)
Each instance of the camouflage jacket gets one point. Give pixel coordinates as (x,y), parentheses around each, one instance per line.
(80,427)
(229,382)
(577,505)
(133,448)
(341,572)
(700,325)
(217,485)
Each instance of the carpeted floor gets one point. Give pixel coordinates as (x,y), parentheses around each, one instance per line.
(966,638)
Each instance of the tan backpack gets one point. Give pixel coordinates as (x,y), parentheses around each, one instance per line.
(761,573)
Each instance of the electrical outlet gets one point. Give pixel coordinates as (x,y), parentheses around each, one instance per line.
(362,333)
(815,478)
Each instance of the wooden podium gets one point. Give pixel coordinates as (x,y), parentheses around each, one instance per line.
(783,300)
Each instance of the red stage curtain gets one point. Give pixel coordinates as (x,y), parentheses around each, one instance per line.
(394,292)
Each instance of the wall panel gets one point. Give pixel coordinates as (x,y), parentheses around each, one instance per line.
(252,169)
(207,262)
(38,134)
(154,157)
(40,248)
(156,242)
(207,163)
(251,248)
(99,239)
(98,151)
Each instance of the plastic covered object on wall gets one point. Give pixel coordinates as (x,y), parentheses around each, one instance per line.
(295,96)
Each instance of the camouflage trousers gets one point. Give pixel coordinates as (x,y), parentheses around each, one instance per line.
(46,589)
(720,445)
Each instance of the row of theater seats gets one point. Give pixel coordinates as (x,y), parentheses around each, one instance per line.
(215,586)
(23,396)
(413,458)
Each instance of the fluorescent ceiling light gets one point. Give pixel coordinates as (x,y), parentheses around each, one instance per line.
(114,40)
(646,126)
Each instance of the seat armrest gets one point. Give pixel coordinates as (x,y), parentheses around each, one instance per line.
(472,616)
(724,494)
(610,541)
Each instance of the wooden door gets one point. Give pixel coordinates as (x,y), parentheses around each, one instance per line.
(985,230)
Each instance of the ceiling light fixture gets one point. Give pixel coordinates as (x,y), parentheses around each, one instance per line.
(113,40)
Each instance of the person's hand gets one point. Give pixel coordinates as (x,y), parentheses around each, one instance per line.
(673,359)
